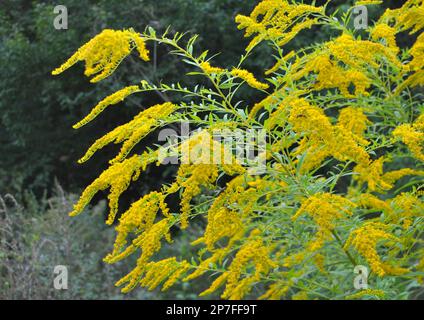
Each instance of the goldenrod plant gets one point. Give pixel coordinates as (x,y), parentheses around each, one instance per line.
(342,183)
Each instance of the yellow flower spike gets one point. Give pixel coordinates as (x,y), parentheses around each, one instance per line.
(149,243)
(132,132)
(393,176)
(372,174)
(409,16)
(407,207)
(253,252)
(139,217)
(224,222)
(417,51)
(325,209)
(287,37)
(157,272)
(354,120)
(321,138)
(168,271)
(143,125)
(249,78)
(368,200)
(384,31)
(394,271)
(200,175)
(182,269)
(343,62)
(207,68)
(216,284)
(357,53)
(365,239)
(104,53)
(277,20)
(416,66)
(114,98)
(198,168)
(412,136)
(118,178)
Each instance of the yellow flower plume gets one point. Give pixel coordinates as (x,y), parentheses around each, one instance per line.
(105,52)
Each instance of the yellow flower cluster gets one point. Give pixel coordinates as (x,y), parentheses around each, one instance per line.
(254,254)
(207,68)
(406,208)
(325,209)
(367,200)
(321,138)
(373,175)
(192,178)
(409,16)
(386,32)
(365,239)
(354,120)
(132,132)
(417,64)
(355,55)
(104,53)
(201,159)
(392,176)
(140,217)
(167,271)
(149,242)
(412,136)
(278,20)
(114,98)
(249,78)
(223,221)
(331,75)
(118,177)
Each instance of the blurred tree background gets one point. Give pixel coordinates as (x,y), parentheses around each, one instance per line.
(38,145)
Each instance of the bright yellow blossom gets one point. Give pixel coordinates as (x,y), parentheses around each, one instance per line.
(109,100)
(365,240)
(249,78)
(118,177)
(412,136)
(207,68)
(105,52)
(132,132)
